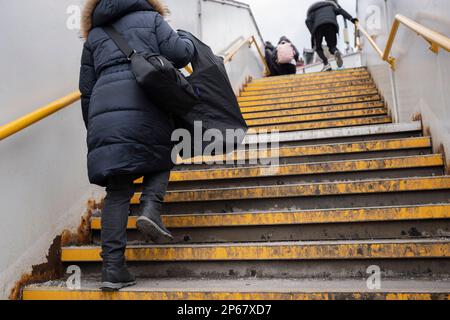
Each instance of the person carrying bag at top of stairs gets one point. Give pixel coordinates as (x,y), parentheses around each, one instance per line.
(129,133)
(282,59)
(322,23)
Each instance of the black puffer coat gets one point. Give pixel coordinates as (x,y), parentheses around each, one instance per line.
(127,134)
(324,12)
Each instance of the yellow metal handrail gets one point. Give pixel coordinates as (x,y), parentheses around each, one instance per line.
(434,38)
(45,111)
(37,115)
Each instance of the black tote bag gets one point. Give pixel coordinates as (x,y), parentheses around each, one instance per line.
(218,109)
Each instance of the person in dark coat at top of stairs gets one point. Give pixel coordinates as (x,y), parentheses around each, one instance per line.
(287,52)
(322,23)
(128,135)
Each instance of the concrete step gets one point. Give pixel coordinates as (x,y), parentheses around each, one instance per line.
(326,124)
(310,153)
(313,110)
(371,112)
(314,250)
(311,104)
(320,86)
(337,134)
(248,289)
(312,74)
(305,190)
(307,78)
(307,225)
(353,166)
(324,96)
(305,93)
(257,88)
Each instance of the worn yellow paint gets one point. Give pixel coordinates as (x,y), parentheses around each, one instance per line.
(301,93)
(332,216)
(313,80)
(308,190)
(309,98)
(311,75)
(320,86)
(309,104)
(317,117)
(314,110)
(318,76)
(322,124)
(270,252)
(256,88)
(309,168)
(315,150)
(128,294)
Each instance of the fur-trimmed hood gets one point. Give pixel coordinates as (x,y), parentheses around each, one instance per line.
(100,12)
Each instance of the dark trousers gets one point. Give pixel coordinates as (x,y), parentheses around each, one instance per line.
(329,32)
(119,191)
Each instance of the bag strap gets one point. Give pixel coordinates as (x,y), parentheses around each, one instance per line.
(119,41)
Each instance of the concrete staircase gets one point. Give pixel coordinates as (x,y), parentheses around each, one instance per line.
(352,190)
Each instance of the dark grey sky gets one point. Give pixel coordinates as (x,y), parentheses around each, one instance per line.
(287,17)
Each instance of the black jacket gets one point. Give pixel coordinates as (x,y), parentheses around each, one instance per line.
(324,12)
(127,134)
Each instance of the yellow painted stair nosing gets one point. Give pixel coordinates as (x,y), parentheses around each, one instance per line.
(346,94)
(308,168)
(333,115)
(308,190)
(319,250)
(315,103)
(315,150)
(303,217)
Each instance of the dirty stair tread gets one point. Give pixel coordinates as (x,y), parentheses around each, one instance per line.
(438,248)
(317,150)
(333,133)
(434,160)
(301,217)
(248,289)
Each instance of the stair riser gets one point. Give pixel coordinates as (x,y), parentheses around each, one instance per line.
(286,89)
(360,138)
(304,93)
(315,232)
(312,178)
(318,269)
(319,158)
(309,79)
(299,203)
(252,89)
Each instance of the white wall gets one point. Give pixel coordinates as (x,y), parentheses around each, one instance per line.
(43,178)
(421,81)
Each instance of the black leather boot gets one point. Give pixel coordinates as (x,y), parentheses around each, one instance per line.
(115,276)
(151,225)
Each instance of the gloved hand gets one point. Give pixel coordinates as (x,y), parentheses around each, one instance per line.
(355,20)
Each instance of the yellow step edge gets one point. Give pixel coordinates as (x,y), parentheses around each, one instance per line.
(307,190)
(309,104)
(302,93)
(305,217)
(128,294)
(308,168)
(255,88)
(318,117)
(323,124)
(310,75)
(335,78)
(300,78)
(287,89)
(316,150)
(309,98)
(313,110)
(331,250)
